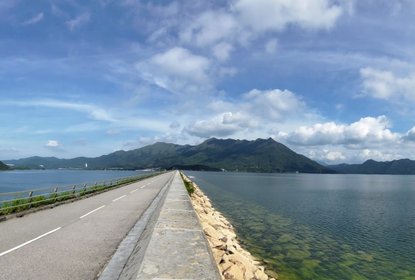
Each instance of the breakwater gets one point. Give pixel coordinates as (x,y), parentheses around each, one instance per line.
(233,261)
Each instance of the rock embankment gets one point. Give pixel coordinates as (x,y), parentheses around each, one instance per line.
(232,260)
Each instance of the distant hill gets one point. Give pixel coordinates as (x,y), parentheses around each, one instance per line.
(261,155)
(4,166)
(402,166)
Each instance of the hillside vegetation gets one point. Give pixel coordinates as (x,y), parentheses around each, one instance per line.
(261,155)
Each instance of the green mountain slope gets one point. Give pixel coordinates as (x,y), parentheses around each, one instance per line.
(261,155)
(4,166)
(402,166)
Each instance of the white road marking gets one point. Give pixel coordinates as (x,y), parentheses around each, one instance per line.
(28,242)
(90,212)
(118,198)
(133,191)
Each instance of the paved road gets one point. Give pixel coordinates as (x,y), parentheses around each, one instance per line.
(75,240)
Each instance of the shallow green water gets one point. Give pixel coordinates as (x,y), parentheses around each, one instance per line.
(321,226)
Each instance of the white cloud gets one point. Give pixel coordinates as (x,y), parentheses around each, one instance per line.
(177,70)
(386,85)
(222,51)
(276,15)
(122,120)
(52,144)
(364,132)
(410,135)
(209,28)
(252,115)
(93,111)
(275,105)
(327,155)
(78,21)
(340,154)
(221,125)
(244,20)
(33,20)
(334,155)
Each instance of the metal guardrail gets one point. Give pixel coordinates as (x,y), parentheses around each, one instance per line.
(12,202)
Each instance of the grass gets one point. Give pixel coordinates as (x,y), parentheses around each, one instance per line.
(22,204)
(189,186)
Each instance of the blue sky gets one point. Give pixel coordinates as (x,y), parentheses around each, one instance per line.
(332,79)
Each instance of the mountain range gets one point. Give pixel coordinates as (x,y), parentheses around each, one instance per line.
(261,155)
(401,166)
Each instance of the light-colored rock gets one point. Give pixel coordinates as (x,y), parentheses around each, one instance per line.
(234,272)
(260,275)
(217,254)
(225,266)
(233,261)
(249,274)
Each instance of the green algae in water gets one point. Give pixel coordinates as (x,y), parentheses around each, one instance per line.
(295,251)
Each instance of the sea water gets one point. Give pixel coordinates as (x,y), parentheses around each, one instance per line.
(20,180)
(309,226)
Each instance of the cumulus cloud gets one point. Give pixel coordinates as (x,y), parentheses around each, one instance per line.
(366,130)
(329,155)
(410,135)
(340,154)
(275,105)
(386,85)
(245,20)
(33,20)
(222,125)
(52,144)
(277,15)
(78,21)
(176,70)
(256,111)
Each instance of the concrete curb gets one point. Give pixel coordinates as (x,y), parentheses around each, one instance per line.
(178,248)
(119,263)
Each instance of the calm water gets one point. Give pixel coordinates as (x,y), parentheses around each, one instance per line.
(11,181)
(321,226)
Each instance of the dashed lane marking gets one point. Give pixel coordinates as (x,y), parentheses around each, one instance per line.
(118,198)
(90,212)
(28,242)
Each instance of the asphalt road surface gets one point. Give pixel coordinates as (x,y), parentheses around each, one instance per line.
(74,240)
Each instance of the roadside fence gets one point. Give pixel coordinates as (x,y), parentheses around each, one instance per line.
(13,202)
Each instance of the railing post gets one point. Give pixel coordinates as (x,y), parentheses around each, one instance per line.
(55,194)
(30,199)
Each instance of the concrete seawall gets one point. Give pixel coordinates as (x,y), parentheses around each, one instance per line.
(172,245)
